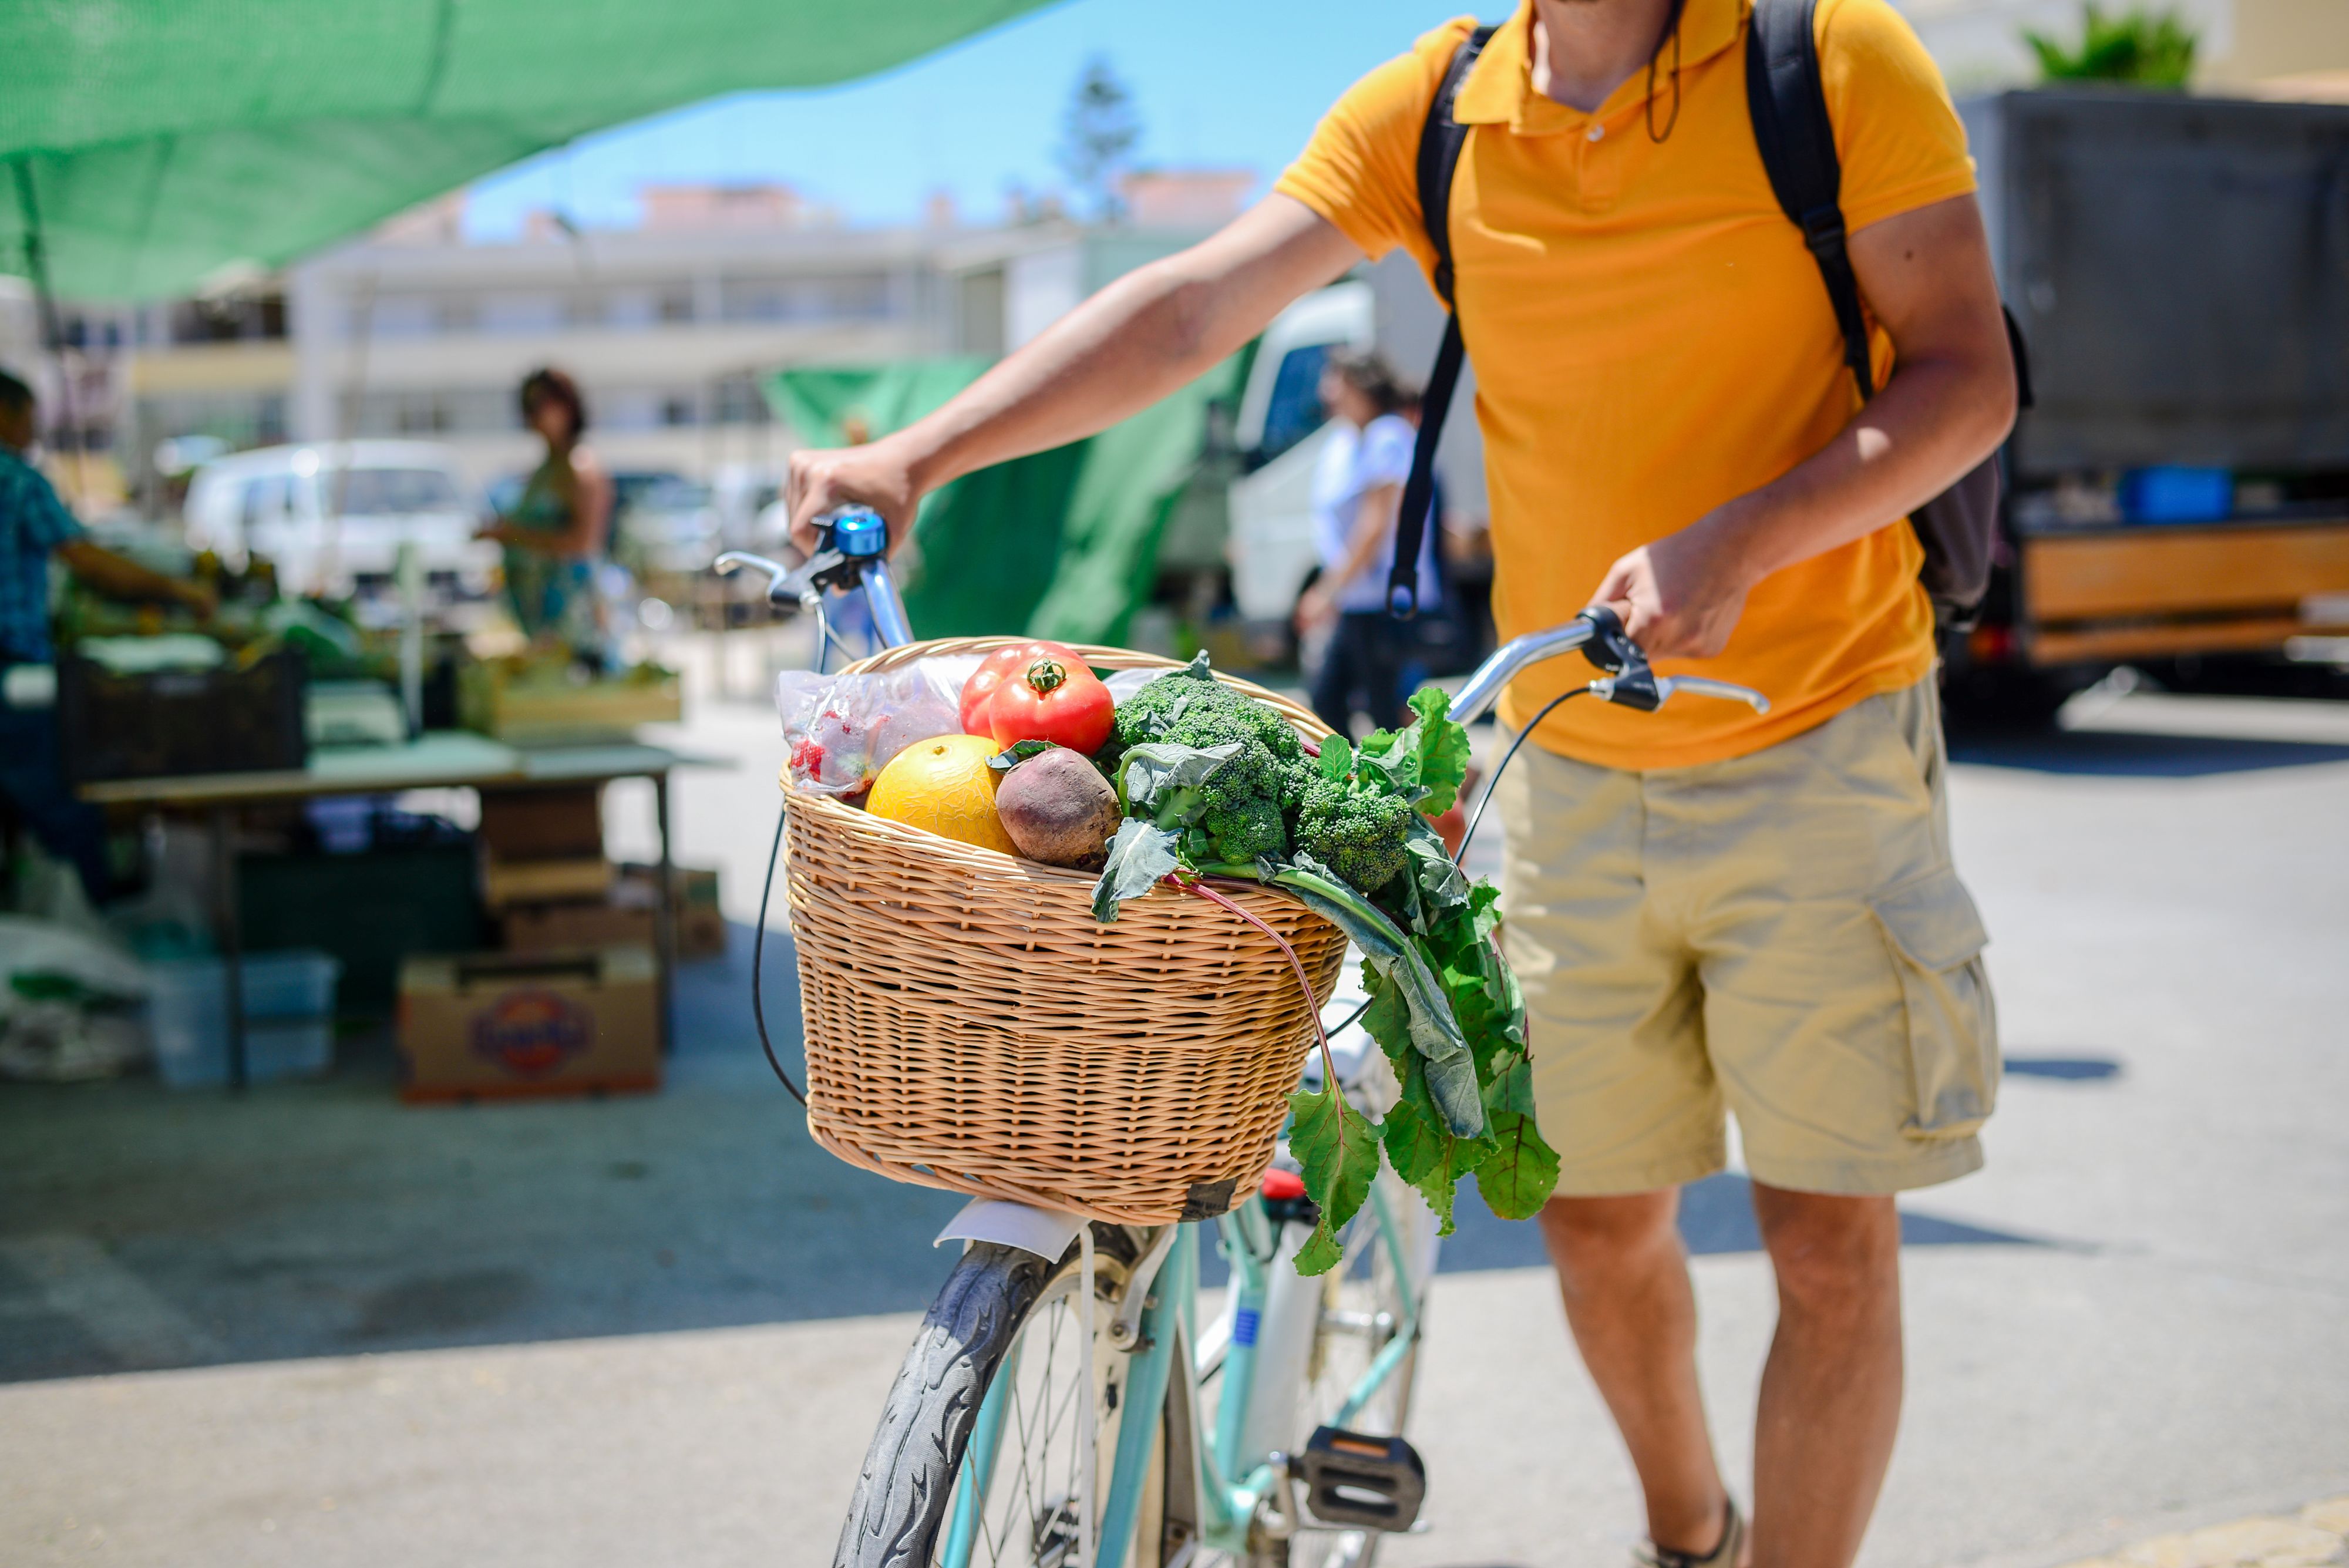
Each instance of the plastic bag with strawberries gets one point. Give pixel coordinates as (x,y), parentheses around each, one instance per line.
(842,729)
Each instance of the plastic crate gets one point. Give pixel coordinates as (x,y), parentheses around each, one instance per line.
(171,721)
(289,1017)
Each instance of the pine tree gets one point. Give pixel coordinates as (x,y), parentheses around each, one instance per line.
(1097,134)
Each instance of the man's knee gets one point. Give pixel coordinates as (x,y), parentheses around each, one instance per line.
(1598,1237)
(1835,1256)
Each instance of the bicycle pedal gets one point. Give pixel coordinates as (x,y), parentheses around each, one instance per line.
(1365,1482)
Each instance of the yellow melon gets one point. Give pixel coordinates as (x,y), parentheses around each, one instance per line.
(945,786)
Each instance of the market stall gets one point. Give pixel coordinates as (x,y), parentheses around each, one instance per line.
(161,154)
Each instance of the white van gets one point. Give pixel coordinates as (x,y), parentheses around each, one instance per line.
(1281,430)
(333,515)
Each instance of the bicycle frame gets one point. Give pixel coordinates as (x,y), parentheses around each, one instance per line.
(1233,1472)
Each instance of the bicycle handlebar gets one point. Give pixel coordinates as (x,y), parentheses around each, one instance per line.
(1626,680)
(855,553)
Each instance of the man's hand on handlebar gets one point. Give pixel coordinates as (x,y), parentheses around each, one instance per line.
(872,475)
(1679,597)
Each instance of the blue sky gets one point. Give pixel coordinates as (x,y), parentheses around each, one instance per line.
(1230,83)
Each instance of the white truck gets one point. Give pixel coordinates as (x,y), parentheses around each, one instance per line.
(1281,430)
(331,517)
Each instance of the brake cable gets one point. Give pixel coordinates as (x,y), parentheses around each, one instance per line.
(758,956)
(1461,856)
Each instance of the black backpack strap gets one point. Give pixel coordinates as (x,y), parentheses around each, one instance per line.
(1797,143)
(1441,138)
(1440,141)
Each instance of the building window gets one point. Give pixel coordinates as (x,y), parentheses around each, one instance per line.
(675,411)
(676,304)
(738,401)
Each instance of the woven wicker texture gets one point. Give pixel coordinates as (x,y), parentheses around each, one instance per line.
(970,1026)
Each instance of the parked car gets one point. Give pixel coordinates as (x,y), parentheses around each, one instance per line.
(332,516)
(663,523)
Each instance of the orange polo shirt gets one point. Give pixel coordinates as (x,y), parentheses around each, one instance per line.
(1651,339)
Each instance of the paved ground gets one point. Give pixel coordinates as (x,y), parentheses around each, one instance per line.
(315,1327)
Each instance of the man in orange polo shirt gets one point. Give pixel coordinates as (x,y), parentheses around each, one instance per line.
(1711,911)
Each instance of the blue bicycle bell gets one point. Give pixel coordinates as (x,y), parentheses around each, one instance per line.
(860,534)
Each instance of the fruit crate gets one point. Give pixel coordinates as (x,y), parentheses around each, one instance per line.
(536,705)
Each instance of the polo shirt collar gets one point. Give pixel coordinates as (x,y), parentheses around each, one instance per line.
(1500,86)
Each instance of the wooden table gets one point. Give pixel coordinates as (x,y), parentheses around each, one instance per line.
(441,760)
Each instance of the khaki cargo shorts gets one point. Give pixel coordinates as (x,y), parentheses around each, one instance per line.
(1781,936)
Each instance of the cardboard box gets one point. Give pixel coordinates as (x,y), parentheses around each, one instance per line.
(565,823)
(479,1025)
(553,927)
(700,924)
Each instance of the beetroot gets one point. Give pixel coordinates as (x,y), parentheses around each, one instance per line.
(1059,809)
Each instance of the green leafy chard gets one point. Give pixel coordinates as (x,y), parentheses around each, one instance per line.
(1216,784)
(1339,1148)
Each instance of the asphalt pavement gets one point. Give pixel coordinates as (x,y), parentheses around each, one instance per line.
(314,1327)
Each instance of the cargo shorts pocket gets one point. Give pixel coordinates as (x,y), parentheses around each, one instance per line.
(1936,936)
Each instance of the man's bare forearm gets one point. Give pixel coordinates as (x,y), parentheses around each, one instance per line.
(1934,421)
(1144,337)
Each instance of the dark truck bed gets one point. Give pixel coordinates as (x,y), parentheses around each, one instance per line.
(2181,267)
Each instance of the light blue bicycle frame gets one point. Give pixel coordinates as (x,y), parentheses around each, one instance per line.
(1230,1484)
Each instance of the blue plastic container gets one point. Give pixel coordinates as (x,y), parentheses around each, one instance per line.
(289,1017)
(2177,494)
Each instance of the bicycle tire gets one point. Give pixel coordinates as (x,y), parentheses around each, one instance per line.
(905,1489)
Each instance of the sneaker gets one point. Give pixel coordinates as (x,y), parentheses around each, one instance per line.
(1648,1554)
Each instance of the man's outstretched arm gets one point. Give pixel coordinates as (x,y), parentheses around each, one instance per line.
(1948,403)
(1143,336)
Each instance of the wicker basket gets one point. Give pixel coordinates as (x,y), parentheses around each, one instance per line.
(970,1026)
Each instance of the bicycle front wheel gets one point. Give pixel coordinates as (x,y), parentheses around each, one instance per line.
(978,1460)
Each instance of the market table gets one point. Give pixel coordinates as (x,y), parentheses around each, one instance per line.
(442,760)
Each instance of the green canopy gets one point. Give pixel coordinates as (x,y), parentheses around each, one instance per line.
(164,143)
(1063,543)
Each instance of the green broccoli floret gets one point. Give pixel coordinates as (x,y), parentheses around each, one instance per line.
(1250,794)
(1191,707)
(1242,826)
(1358,834)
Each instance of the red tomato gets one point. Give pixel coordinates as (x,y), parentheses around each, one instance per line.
(1053,700)
(995,670)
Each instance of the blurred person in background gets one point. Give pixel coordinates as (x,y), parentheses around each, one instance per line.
(558,527)
(1357,496)
(35,526)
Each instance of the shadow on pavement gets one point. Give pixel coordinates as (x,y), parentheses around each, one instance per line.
(2069,1069)
(1716,1216)
(2125,754)
(142,1228)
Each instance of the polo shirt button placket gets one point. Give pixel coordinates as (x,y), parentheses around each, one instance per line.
(1598,171)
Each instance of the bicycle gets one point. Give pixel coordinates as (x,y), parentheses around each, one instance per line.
(1063,1405)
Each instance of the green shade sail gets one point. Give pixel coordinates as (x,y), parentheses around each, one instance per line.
(169,142)
(1063,543)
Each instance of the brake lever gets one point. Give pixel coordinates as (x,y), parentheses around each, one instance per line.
(854,542)
(1629,682)
(1658,690)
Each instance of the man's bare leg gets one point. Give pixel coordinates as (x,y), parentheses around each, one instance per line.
(1831,1388)
(1624,1274)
